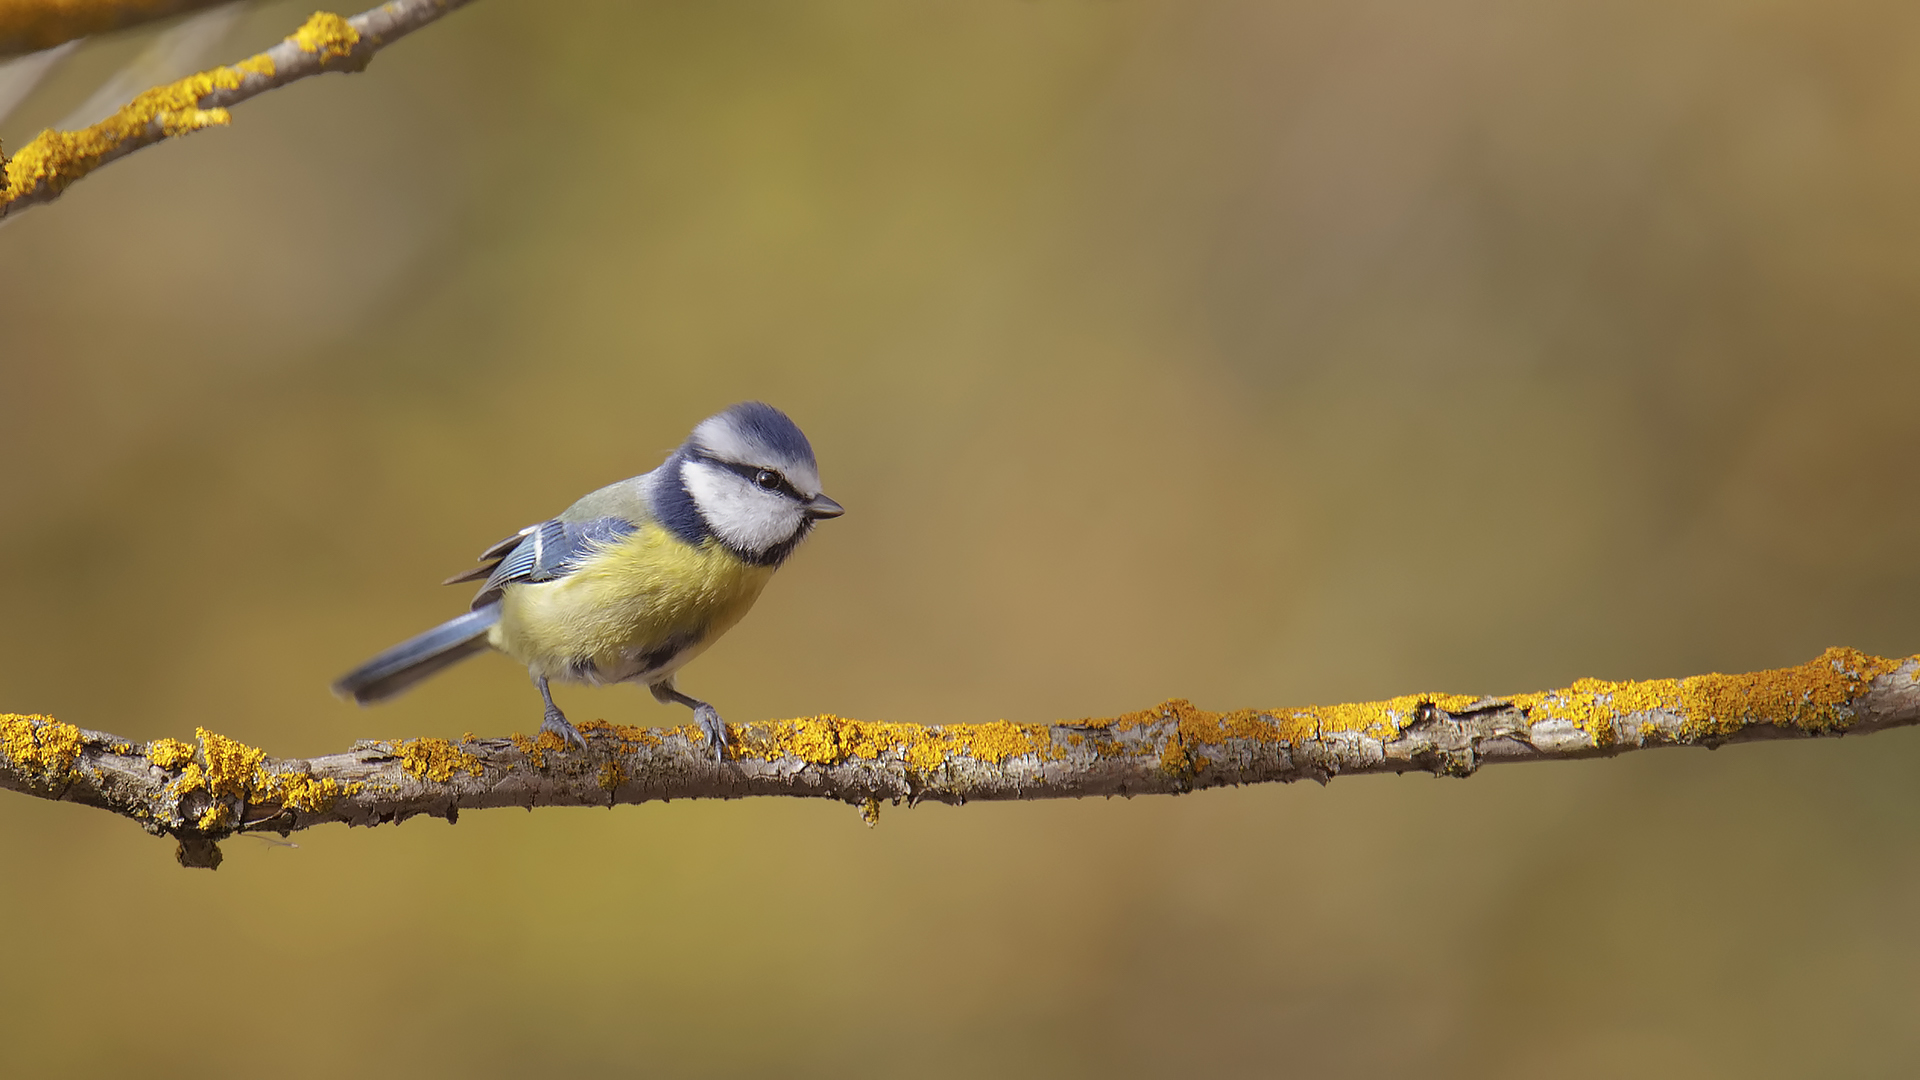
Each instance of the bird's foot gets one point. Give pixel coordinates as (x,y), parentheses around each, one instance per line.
(556,722)
(713,728)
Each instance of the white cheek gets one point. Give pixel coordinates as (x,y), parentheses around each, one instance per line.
(740,513)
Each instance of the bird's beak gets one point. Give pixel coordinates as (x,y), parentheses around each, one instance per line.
(822,507)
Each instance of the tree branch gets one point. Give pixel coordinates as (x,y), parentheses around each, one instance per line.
(55,159)
(31,25)
(202,793)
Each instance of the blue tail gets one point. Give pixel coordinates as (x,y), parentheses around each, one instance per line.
(418,657)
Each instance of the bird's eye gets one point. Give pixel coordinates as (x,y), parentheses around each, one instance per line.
(768,479)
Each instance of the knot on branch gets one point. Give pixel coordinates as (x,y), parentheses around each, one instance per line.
(198,853)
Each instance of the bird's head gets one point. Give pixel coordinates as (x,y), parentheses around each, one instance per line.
(750,475)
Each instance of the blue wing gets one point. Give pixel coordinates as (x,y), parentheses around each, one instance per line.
(543,552)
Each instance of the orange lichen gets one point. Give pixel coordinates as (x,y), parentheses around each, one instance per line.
(1812,697)
(630,737)
(612,775)
(40,744)
(529,747)
(169,753)
(1174,759)
(831,740)
(1376,719)
(435,760)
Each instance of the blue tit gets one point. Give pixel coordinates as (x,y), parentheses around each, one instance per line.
(636,579)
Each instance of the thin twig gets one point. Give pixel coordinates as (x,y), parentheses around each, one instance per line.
(201,793)
(45,167)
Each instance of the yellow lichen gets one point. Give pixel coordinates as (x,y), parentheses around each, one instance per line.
(300,791)
(1174,759)
(1811,696)
(530,748)
(191,779)
(260,64)
(870,811)
(40,744)
(215,817)
(327,34)
(630,737)
(55,159)
(1384,720)
(169,753)
(1592,705)
(234,770)
(612,776)
(435,759)
(231,764)
(830,740)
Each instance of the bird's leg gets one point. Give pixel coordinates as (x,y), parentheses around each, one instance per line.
(555,720)
(704,714)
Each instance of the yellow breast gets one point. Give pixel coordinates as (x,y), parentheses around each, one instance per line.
(625,605)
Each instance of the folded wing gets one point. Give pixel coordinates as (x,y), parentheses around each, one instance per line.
(543,552)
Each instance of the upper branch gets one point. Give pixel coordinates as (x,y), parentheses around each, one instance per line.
(201,794)
(55,159)
(31,25)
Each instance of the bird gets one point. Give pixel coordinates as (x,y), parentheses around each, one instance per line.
(634,580)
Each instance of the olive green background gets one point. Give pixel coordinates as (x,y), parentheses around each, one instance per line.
(1258,353)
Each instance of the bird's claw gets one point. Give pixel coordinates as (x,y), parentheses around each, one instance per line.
(713,728)
(557,724)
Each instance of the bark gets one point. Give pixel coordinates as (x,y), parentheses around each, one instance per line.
(47,166)
(204,791)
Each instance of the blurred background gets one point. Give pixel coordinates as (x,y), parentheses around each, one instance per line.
(1259,353)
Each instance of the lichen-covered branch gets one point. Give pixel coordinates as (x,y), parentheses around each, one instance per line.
(204,791)
(45,167)
(31,25)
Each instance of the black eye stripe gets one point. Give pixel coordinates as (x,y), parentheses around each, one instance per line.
(751,473)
